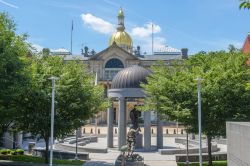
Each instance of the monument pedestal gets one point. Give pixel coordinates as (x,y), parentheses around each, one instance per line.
(138,144)
(134,160)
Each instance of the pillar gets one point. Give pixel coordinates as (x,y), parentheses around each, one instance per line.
(147,130)
(159,134)
(122,123)
(110,143)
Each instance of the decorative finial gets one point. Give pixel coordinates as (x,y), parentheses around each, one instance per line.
(120,14)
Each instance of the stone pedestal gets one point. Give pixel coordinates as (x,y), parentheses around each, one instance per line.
(122,123)
(134,160)
(110,127)
(159,133)
(147,131)
(138,144)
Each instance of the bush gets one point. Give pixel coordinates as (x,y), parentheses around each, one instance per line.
(13,152)
(4,151)
(20,151)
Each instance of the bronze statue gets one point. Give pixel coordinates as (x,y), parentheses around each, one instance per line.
(131,140)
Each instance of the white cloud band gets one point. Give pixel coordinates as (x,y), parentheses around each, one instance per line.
(97,23)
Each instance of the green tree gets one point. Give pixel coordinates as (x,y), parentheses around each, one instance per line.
(224,96)
(13,52)
(245,4)
(76,99)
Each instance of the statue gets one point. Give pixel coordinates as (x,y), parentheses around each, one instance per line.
(131,142)
(134,116)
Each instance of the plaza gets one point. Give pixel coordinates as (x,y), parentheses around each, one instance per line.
(110,83)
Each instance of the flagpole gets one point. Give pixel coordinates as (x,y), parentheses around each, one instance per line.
(71,38)
(152,38)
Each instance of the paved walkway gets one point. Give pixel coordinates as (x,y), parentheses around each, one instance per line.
(150,159)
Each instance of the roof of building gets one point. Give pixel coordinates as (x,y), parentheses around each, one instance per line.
(160,57)
(167,50)
(113,46)
(130,77)
(75,57)
(60,51)
(246,46)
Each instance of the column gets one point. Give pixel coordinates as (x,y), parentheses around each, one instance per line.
(110,143)
(147,130)
(159,141)
(122,123)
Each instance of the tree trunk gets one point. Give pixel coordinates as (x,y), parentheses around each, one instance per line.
(209,146)
(47,150)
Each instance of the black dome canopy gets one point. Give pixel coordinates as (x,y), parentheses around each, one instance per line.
(130,77)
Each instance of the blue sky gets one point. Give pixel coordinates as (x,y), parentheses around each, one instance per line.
(197,25)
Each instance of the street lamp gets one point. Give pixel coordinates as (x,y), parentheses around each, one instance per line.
(199,80)
(187,162)
(53,79)
(76,157)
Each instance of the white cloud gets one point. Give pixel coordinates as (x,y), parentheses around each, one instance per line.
(146,30)
(8,4)
(97,23)
(37,47)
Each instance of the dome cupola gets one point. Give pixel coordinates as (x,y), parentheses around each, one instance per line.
(120,37)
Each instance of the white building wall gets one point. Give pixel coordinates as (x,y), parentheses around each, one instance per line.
(238,143)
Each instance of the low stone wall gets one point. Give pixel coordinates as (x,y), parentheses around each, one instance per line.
(69,147)
(183,151)
(61,154)
(192,150)
(84,139)
(184,141)
(195,157)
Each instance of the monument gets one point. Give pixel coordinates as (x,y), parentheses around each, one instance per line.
(127,156)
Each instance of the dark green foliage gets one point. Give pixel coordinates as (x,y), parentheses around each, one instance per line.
(12,152)
(38,160)
(19,151)
(13,51)
(245,4)
(215,163)
(76,98)
(172,91)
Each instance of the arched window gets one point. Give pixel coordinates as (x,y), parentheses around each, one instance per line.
(114,63)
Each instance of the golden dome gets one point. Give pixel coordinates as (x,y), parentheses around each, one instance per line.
(122,39)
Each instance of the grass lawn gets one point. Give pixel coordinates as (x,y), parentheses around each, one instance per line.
(38,160)
(215,163)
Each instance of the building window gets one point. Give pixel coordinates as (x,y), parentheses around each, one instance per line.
(114,63)
(112,67)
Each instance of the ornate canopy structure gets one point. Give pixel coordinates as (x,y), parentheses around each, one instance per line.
(126,84)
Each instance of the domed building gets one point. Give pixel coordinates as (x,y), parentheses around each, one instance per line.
(122,55)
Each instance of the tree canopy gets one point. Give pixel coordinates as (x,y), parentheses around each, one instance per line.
(245,4)
(172,91)
(76,99)
(13,62)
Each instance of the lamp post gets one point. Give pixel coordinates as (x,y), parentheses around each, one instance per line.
(53,79)
(187,162)
(199,117)
(76,156)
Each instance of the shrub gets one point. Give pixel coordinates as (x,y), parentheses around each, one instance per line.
(13,152)
(20,151)
(5,151)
